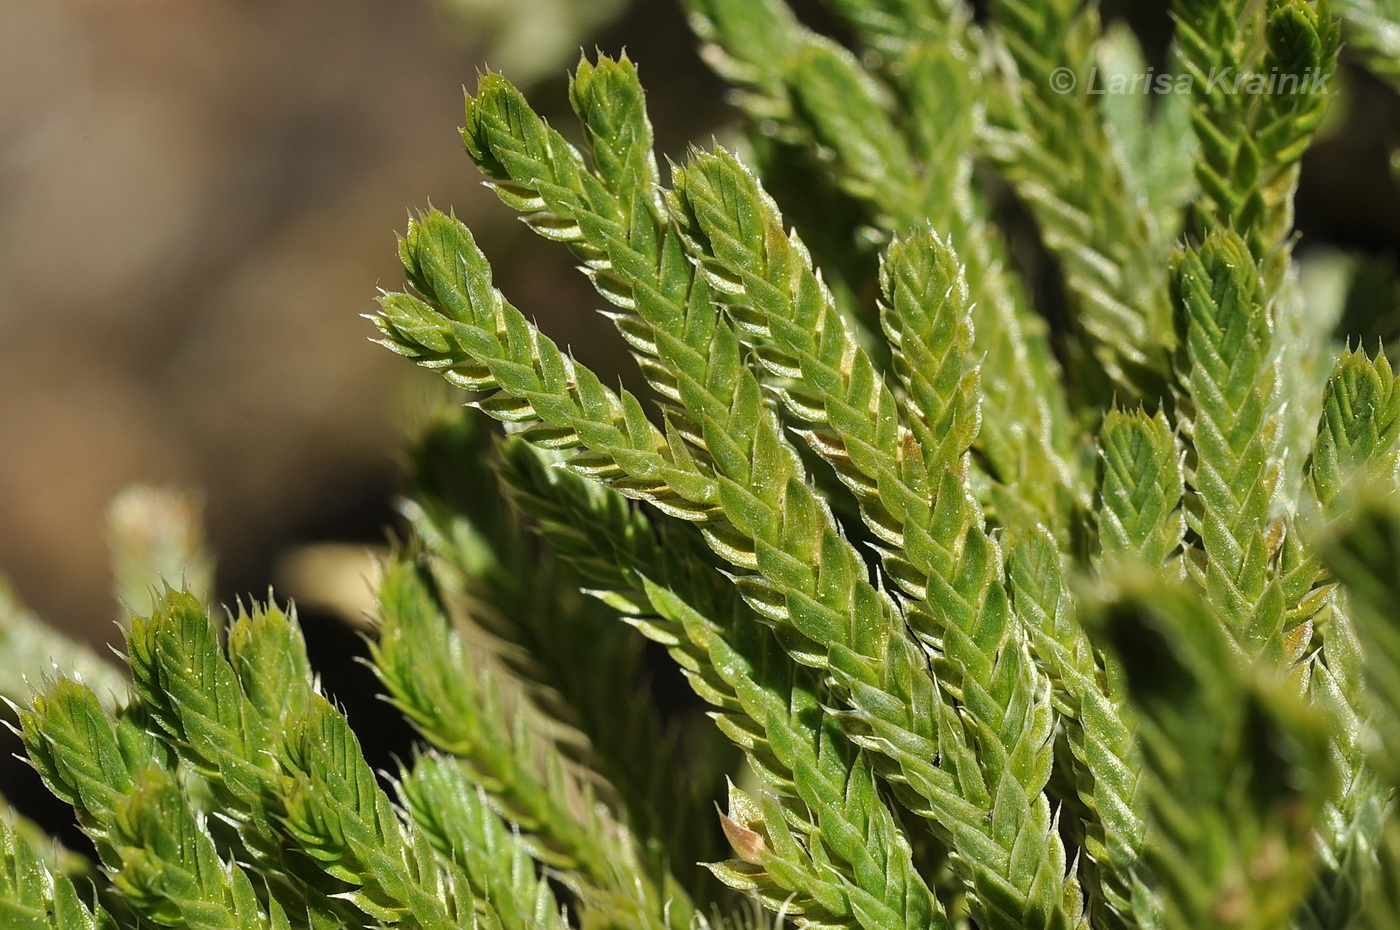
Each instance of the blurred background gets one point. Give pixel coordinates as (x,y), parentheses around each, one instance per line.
(197,202)
(198,199)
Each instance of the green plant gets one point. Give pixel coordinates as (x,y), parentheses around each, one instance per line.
(999,625)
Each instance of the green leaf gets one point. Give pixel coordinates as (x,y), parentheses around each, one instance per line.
(33,897)
(765,706)
(1098,726)
(85,757)
(1054,147)
(1256,105)
(463,706)
(724,399)
(151,841)
(1360,424)
(171,872)
(225,716)
(1239,765)
(1140,497)
(1231,381)
(456,814)
(341,818)
(527,610)
(1364,553)
(909,479)
(876,141)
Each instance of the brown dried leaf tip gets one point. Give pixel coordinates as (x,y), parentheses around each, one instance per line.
(748,844)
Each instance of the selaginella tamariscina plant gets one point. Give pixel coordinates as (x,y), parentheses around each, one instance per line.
(1000,626)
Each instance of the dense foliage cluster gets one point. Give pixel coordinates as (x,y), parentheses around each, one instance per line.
(1000,625)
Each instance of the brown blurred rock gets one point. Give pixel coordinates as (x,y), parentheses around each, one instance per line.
(196,203)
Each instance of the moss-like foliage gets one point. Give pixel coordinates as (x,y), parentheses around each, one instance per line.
(998,624)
